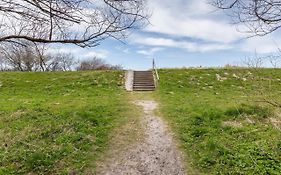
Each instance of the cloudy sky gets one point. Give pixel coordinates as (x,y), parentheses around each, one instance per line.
(182,33)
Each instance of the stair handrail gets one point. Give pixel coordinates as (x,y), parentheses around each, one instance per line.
(156,75)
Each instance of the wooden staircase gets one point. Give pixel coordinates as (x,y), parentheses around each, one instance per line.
(143,81)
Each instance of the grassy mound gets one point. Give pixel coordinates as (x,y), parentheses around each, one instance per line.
(218,122)
(57,123)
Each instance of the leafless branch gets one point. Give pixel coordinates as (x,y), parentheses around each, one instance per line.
(82,22)
(261,17)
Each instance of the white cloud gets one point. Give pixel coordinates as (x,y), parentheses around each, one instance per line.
(150,52)
(201,7)
(262,45)
(98,54)
(190,19)
(126,50)
(188,46)
(200,28)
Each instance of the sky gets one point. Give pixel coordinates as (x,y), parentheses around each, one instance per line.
(181,33)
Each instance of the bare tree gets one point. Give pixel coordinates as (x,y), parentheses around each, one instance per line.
(18,56)
(29,56)
(67,61)
(41,56)
(261,17)
(255,62)
(275,60)
(3,65)
(60,62)
(81,22)
(96,64)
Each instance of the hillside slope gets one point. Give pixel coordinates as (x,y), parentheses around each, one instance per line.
(218,122)
(57,123)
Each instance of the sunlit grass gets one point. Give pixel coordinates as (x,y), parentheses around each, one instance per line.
(220,126)
(57,123)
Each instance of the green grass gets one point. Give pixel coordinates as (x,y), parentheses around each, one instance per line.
(57,123)
(221,129)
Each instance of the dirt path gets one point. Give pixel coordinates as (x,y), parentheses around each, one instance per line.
(155,154)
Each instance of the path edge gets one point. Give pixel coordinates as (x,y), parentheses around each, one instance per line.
(129,79)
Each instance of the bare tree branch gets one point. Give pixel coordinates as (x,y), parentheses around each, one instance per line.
(82,22)
(261,17)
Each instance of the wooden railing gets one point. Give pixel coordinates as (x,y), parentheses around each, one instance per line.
(155,73)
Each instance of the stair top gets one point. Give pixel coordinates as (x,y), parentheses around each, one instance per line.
(143,71)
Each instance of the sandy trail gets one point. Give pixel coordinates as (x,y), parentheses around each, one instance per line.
(156,154)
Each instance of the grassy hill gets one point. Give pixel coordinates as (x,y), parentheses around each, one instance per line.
(57,123)
(218,121)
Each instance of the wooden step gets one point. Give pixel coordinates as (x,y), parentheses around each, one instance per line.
(143,81)
(140,79)
(148,86)
(140,75)
(142,71)
(146,76)
(143,76)
(149,77)
(143,84)
(144,89)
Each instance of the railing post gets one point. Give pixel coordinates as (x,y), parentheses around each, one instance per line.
(155,72)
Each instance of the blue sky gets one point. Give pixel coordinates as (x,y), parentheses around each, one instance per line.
(182,33)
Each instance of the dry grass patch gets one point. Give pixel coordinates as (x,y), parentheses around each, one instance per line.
(235,124)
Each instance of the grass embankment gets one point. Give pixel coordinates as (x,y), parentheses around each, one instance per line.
(220,127)
(57,123)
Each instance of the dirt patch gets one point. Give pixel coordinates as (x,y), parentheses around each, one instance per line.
(234,124)
(250,121)
(154,154)
(276,122)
